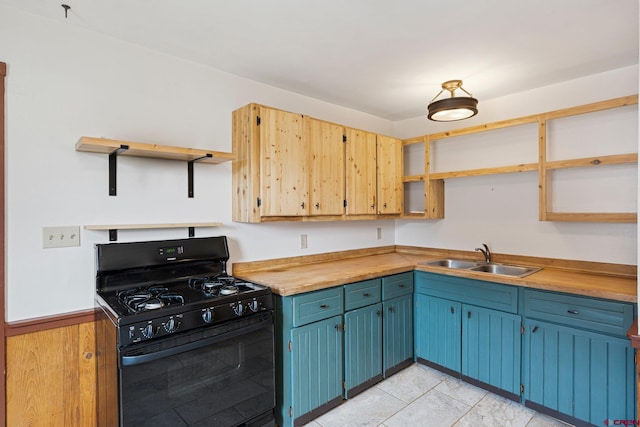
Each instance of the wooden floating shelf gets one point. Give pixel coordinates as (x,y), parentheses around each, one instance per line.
(113,228)
(630,217)
(140,149)
(485,171)
(152,226)
(114,148)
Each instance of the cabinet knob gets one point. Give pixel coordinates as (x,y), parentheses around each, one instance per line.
(535,328)
(391,309)
(302,205)
(373,206)
(317,205)
(379,313)
(452,310)
(366,295)
(384,206)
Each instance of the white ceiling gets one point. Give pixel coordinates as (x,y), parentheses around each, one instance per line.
(384,57)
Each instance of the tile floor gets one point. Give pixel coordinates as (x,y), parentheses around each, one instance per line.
(421,396)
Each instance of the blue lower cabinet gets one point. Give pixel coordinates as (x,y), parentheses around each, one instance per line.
(398,333)
(437,331)
(316,363)
(491,343)
(580,374)
(362,348)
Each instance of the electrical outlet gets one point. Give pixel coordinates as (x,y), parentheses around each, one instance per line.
(303,241)
(379,233)
(60,237)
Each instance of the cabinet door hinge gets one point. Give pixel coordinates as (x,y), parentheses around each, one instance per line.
(290,346)
(258,201)
(291,411)
(258,120)
(521,388)
(521,329)
(344,138)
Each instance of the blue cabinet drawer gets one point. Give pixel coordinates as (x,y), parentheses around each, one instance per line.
(361,294)
(610,317)
(397,285)
(468,291)
(314,306)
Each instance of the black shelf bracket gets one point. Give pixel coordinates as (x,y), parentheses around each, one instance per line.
(113,168)
(190,175)
(192,232)
(113,235)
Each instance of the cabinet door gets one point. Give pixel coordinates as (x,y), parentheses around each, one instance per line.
(397,330)
(316,364)
(362,347)
(326,167)
(389,172)
(491,347)
(438,328)
(284,171)
(585,375)
(360,172)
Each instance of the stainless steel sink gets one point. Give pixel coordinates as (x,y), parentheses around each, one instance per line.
(452,263)
(506,270)
(491,268)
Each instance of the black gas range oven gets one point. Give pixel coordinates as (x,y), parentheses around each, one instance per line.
(179,341)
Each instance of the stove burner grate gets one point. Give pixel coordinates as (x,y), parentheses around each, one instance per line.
(151,298)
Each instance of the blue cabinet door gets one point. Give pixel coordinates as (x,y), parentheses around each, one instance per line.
(362,346)
(397,332)
(316,364)
(586,375)
(491,343)
(438,329)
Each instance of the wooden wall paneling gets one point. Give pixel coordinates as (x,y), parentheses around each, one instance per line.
(51,377)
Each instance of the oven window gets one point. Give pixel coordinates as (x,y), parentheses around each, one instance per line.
(226,383)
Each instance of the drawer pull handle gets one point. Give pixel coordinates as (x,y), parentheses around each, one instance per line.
(535,328)
(324,306)
(366,295)
(573,312)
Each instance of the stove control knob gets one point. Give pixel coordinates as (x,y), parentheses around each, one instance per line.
(147,331)
(238,308)
(207,315)
(171,325)
(254,305)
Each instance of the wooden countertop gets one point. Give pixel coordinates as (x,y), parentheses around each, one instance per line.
(290,276)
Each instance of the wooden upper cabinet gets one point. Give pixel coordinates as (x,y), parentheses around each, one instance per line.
(360,172)
(389,175)
(326,167)
(283,164)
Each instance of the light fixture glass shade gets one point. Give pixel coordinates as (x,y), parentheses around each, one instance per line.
(454,108)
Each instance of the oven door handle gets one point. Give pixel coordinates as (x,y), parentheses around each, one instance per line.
(150,357)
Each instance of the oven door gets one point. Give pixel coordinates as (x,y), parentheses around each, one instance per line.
(221,375)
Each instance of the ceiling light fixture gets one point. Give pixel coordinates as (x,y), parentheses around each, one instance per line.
(454,108)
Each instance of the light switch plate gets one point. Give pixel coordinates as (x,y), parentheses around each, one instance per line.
(60,237)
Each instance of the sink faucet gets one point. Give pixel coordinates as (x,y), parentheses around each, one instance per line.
(485,252)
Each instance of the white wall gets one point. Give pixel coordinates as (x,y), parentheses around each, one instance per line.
(502,210)
(64,82)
